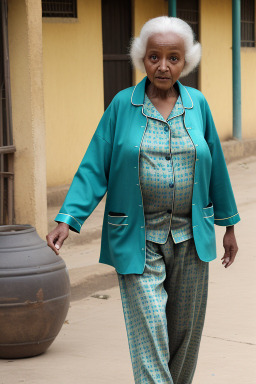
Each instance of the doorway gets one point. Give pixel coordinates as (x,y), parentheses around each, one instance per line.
(116,35)
(188,10)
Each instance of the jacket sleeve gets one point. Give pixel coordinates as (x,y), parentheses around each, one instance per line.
(221,193)
(90,182)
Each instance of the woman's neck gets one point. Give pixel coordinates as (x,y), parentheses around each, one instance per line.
(156,93)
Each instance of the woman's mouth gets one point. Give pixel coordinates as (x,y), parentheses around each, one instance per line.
(163,78)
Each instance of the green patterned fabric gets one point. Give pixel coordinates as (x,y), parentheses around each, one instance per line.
(167,159)
(164,311)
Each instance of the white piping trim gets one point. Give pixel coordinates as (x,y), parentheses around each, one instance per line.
(206,217)
(225,218)
(132,96)
(141,205)
(165,121)
(116,215)
(66,214)
(181,100)
(189,97)
(116,224)
(175,115)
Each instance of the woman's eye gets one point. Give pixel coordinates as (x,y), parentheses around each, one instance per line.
(173,58)
(153,57)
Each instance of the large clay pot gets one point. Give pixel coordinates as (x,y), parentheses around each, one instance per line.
(34,292)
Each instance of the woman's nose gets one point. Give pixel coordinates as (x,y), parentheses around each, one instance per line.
(163,67)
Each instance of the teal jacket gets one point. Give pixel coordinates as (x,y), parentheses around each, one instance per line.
(111,164)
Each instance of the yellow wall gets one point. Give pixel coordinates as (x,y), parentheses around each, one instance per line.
(73,88)
(216,63)
(215,73)
(73,77)
(142,12)
(216,69)
(248,82)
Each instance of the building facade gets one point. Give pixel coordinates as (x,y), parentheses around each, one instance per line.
(77,63)
(67,63)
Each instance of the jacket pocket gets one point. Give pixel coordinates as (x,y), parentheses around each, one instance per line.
(117,220)
(117,234)
(111,213)
(208,212)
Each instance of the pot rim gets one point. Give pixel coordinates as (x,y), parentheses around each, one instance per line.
(16,229)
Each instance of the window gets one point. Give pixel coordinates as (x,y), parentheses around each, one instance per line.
(7,148)
(59,8)
(116,34)
(188,10)
(248,23)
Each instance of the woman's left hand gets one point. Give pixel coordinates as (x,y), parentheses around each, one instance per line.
(230,246)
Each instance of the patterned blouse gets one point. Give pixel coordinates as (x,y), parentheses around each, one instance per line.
(167,159)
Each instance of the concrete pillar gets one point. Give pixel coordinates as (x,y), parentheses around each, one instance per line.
(26,73)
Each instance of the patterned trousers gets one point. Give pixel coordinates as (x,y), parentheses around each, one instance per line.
(164,312)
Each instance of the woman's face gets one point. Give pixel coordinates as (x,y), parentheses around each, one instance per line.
(164,59)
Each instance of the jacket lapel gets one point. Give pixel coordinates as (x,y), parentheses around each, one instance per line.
(137,97)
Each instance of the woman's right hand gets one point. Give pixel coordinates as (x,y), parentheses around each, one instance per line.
(56,238)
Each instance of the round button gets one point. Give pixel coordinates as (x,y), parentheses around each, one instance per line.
(167,157)
(166,129)
(171,185)
(169,211)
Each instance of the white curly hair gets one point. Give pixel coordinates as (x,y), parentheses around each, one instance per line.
(165,24)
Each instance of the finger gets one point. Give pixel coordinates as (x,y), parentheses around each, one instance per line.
(55,250)
(52,246)
(225,262)
(50,243)
(229,263)
(232,258)
(60,240)
(225,258)
(227,254)
(58,245)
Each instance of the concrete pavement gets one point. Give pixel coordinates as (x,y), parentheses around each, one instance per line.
(92,346)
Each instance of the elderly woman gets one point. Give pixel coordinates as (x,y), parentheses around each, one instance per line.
(157,154)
